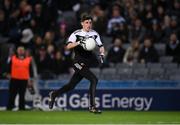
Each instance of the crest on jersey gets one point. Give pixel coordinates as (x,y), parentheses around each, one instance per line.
(82,38)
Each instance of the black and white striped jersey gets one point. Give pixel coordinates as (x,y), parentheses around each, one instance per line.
(81,54)
(80,34)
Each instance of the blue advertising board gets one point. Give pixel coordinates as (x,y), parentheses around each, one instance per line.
(113,99)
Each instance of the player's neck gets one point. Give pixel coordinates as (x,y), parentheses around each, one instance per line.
(85,30)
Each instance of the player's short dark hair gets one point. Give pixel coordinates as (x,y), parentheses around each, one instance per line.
(85,16)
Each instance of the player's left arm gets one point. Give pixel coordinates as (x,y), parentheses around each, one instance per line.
(101,48)
(100,45)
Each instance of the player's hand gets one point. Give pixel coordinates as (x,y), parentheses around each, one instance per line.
(81,42)
(101,57)
(101,50)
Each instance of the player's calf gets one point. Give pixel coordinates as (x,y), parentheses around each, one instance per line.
(51,99)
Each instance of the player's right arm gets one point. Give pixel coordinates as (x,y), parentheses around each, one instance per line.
(71,43)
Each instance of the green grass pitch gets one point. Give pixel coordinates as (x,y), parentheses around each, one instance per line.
(84,117)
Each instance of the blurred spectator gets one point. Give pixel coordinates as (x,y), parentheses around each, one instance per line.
(51,51)
(8,6)
(3,25)
(174,10)
(49,37)
(115,21)
(148,17)
(148,53)
(137,31)
(173,48)
(37,43)
(160,14)
(122,32)
(132,53)
(14,31)
(166,28)
(130,7)
(116,52)
(38,22)
(99,19)
(44,63)
(170,26)
(61,35)
(60,66)
(25,15)
(67,54)
(155,31)
(174,25)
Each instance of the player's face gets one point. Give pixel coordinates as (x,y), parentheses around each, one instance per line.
(86,25)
